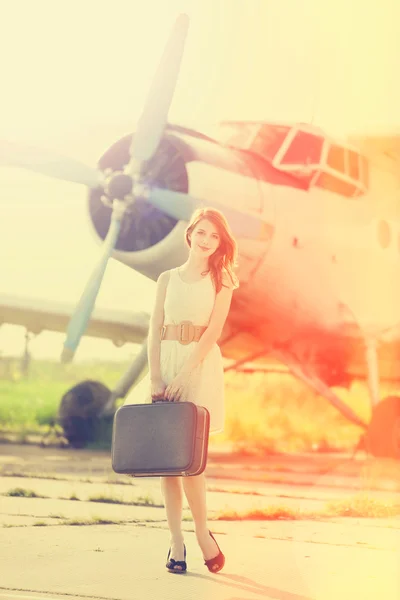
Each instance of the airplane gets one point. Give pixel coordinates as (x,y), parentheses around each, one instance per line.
(316,221)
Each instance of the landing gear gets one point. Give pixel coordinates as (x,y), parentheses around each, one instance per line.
(87,409)
(382,438)
(383,434)
(26,358)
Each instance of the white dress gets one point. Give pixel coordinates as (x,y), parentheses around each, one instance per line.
(189,302)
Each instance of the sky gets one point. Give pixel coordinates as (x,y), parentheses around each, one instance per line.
(75,76)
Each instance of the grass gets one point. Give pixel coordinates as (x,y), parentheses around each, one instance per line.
(79,522)
(73,497)
(272,513)
(23,493)
(360,506)
(242,492)
(30,405)
(139,501)
(147,501)
(105,499)
(101,521)
(363,506)
(31,475)
(265,413)
(269,413)
(92,521)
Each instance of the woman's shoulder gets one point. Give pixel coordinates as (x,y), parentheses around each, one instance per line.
(164,277)
(228,281)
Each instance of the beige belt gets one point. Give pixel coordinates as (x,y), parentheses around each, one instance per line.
(185,332)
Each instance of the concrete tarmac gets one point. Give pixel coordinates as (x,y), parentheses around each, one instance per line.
(76,542)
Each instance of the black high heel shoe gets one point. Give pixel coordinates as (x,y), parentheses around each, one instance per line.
(215,564)
(172,563)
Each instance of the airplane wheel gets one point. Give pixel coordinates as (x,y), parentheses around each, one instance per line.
(383,435)
(79,412)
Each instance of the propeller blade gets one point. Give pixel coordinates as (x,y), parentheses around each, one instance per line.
(152,122)
(13,154)
(79,320)
(181,206)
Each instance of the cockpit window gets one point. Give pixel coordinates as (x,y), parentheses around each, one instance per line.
(364,171)
(335,158)
(304,152)
(323,163)
(354,166)
(304,149)
(345,171)
(269,140)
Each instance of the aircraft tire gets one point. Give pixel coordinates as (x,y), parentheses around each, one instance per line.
(80,409)
(383,435)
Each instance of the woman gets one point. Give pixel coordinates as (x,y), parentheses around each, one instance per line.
(199,291)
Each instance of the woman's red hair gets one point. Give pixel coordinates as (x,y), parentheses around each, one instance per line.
(223,261)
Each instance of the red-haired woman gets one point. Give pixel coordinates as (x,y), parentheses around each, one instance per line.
(199,291)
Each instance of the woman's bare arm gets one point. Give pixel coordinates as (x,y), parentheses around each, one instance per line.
(156,322)
(214,329)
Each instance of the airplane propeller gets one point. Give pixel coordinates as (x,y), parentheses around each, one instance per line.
(46,162)
(152,122)
(119,186)
(123,188)
(79,320)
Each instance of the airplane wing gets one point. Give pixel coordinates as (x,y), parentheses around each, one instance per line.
(39,315)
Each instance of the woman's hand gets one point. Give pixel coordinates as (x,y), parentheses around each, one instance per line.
(176,388)
(158,388)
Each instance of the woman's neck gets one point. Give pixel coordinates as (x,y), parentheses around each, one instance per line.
(196,264)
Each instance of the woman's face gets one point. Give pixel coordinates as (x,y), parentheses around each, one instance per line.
(205,238)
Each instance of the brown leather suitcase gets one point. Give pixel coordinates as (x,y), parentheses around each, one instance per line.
(163,438)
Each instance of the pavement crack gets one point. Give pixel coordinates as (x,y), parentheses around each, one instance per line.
(54,593)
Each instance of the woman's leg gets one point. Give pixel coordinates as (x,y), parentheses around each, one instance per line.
(195,490)
(171,489)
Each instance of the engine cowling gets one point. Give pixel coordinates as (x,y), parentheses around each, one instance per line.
(186,161)
(149,241)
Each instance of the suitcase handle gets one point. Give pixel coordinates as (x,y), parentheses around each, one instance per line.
(155,400)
